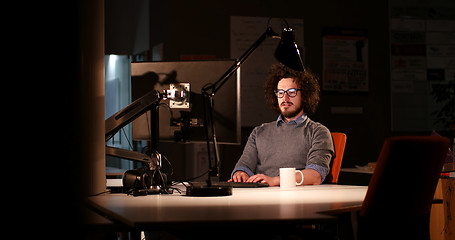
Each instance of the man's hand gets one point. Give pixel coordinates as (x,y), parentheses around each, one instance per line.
(239,176)
(271,181)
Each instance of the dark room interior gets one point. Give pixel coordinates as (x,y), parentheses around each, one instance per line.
(386,72)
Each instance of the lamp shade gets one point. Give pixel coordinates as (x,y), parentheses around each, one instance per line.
(287,51)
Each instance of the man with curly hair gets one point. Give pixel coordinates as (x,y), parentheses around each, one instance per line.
(293,140)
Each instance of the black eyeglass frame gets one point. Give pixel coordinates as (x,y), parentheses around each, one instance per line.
(279,92)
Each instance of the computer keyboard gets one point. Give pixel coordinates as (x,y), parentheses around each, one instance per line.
(248,184)
(242,184)
(233,184)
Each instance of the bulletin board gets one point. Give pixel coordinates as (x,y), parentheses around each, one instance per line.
(422,56)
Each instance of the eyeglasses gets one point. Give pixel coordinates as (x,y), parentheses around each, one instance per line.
(292,92)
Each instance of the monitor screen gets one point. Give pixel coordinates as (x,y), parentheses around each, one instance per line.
(183,123)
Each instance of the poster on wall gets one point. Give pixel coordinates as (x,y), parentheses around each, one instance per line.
(345,60)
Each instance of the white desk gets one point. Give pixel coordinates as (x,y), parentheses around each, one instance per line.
(302,205)
(357,170)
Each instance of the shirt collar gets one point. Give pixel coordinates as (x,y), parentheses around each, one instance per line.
(297,121)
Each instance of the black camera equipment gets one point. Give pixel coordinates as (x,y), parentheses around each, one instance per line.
(147,179)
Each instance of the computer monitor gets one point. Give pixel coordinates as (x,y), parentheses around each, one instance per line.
(183,123)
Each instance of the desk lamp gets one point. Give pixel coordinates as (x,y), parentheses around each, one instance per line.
(288,54)
(287,51)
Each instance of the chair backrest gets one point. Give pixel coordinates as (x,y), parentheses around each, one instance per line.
(339,143)
(405,177)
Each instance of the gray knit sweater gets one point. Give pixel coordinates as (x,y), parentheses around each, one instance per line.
(303,144)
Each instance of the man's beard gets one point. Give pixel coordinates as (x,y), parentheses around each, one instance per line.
(291,113)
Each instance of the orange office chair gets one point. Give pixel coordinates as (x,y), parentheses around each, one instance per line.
(339,143)
(400,193)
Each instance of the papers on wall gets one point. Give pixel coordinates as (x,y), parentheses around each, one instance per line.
(422,55)
(345,60)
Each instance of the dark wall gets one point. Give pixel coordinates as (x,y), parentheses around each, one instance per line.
(202,27)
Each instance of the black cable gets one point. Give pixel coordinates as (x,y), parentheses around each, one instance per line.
(189,179)
(97,194)
(282,18)
(127,139)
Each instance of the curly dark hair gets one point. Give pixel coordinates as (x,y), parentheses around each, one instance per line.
(305,80)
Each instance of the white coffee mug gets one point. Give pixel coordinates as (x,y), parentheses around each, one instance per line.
(287,177)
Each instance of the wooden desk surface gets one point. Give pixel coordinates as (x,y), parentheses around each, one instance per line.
(300,205)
